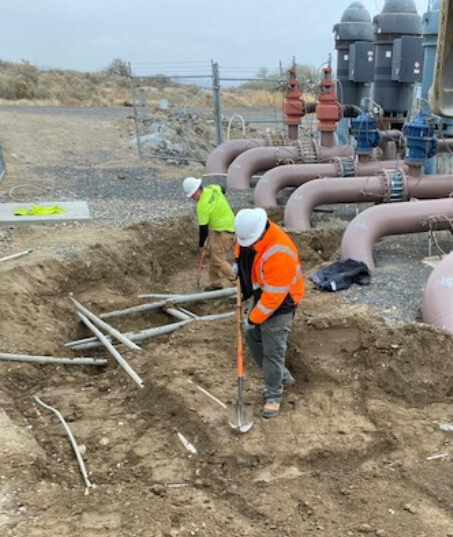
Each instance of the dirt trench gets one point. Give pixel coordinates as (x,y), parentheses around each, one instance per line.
(348,455)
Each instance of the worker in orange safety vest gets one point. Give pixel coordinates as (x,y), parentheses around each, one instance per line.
(267,263)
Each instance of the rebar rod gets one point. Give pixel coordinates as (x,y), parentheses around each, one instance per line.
(105,326)
(10,357)
(122,362)
(74,444)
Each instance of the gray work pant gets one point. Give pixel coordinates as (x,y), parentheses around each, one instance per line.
(267,343)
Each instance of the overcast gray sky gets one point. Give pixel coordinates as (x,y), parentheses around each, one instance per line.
(239,34)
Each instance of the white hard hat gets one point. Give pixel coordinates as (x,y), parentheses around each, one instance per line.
(190,185)
(249,225)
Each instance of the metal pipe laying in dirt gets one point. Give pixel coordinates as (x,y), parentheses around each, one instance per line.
(102,324)
(438,297)
(26,358)
(393,219)
(174,312)
(265,158)
(388,186)
(15,256)
(141,335)
(74,444)
(107,344)
(178,299)
(92,342)
(270,184)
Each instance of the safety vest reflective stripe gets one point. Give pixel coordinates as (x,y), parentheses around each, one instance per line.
(263,309)
(255,286)
(273,289)
(298,275)
(278,248)
(274,250)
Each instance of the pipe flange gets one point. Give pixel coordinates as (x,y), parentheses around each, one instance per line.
(345,166)
(395,185)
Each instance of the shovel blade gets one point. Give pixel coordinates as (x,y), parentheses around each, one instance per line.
(240,417)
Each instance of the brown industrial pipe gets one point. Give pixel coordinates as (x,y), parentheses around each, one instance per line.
(393,219)
(274,180)
(264,158)
(438,297)
(223,155)
(377,188)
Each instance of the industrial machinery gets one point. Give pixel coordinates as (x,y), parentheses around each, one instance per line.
(398,57)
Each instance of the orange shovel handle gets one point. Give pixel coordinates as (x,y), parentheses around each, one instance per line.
(239,344)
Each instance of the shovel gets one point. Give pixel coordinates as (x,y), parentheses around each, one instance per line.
(197,286)
(240,416)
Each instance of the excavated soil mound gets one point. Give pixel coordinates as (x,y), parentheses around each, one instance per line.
(356,449)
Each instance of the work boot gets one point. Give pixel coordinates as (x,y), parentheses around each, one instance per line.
(212,288)
(270,409)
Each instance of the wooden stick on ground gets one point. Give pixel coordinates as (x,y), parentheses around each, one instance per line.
(105,326)
(74,444)
(127,368)
(6,356)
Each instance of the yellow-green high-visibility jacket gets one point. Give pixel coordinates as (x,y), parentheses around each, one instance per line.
(214,211)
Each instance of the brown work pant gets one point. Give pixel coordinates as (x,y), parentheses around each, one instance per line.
(220,247)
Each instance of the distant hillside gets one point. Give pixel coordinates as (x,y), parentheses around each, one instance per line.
(25,84)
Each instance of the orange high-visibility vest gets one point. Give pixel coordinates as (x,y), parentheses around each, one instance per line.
(276,271)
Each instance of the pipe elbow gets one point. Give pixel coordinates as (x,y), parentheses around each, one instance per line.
(222,156)
(301,203)
(438,296)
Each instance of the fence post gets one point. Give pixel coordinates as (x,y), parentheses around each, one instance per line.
(216,93)
(134,104)
(2,164)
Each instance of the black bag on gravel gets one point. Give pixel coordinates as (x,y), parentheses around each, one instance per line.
(341,275)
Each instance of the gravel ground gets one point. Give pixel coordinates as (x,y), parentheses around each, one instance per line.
(123,195)
(397,285)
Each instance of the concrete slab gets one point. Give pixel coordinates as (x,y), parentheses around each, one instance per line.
(76,211)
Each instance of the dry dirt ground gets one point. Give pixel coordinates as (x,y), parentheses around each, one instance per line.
(350,454)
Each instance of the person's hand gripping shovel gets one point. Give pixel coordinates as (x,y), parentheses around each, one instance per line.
(240,416)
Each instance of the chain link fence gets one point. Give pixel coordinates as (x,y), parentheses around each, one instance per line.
(183,110)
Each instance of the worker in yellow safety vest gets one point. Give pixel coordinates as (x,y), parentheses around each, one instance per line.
(216,229)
